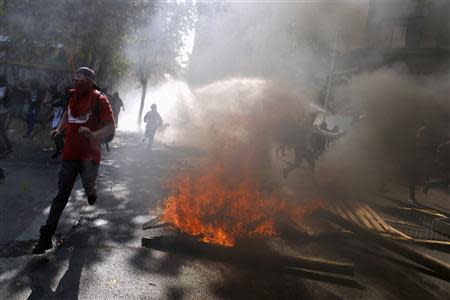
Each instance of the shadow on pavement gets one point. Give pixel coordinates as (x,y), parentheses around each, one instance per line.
(129,184)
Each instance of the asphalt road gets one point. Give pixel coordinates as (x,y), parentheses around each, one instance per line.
(101,255)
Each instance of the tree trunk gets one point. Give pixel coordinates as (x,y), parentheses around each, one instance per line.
(141,108)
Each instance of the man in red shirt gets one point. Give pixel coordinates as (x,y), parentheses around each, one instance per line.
(88,119)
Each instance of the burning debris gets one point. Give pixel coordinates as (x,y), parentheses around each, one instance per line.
(220,208)
(236,192)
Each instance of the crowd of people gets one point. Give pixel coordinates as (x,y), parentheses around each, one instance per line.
(81,117)
(33,106)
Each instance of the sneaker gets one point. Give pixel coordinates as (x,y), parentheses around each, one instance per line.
(92,199)
(43,244)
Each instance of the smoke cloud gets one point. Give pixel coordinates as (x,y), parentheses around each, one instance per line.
(393,105)
(256,82)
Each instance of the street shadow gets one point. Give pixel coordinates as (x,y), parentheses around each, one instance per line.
(113,222)
(237,283)
(41,273)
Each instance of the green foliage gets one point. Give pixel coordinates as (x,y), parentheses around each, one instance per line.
(154,48)
(117,38)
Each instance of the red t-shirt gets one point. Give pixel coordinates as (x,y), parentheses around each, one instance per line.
(78,147)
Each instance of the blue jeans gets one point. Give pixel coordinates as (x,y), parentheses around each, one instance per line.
(66,178)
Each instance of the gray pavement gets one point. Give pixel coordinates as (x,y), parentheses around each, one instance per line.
(101,255)
(25,195)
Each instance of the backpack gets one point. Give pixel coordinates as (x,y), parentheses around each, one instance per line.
(96,113)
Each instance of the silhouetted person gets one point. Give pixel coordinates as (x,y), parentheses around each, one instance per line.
(154,121)
(307,146)
(37,94)
(419,161)
(319,141)
(302,151)
(88,119)
(117,105)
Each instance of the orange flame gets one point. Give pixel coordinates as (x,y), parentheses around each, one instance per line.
(220,207)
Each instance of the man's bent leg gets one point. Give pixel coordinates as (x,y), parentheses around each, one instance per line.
(116,118)
(150,134)
(66,179)
(88,173)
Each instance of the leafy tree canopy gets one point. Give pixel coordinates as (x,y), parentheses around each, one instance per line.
(117,38)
